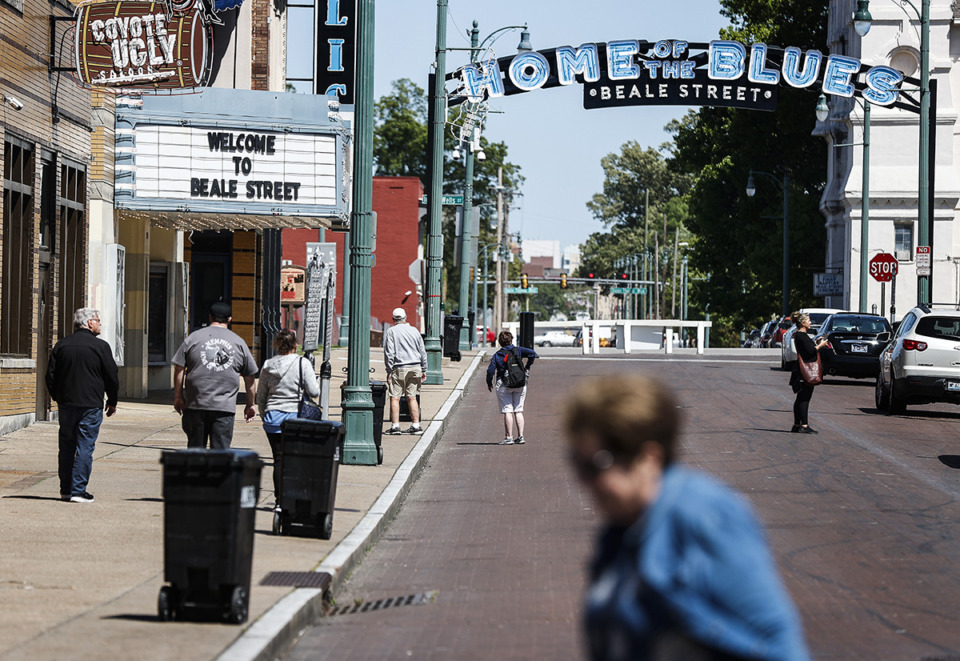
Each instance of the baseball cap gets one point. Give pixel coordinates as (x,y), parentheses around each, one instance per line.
(399,313)
(221,310)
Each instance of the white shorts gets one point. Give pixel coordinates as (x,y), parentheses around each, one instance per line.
(511,399)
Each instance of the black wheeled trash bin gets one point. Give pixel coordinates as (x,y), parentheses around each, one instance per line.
(308,478)
(209,505)
(378,390)
(451,336)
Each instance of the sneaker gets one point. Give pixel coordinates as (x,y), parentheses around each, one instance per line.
(413,429)
(519,440)
(796,429)
(808,430)
(506,441)
(85,497)
(395,431)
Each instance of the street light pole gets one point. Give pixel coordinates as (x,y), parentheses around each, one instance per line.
(923,203)
(359,447)
(432,341)
(751,190)
(498,291)
(466,229)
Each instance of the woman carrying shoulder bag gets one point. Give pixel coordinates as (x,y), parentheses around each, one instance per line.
(283,379)
(809,353)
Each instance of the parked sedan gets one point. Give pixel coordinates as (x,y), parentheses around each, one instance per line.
(554,338)
(854,344)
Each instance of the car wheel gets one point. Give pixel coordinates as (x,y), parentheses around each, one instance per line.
(881,395)
(898,400)
(546,344)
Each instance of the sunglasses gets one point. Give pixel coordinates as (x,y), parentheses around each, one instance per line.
(588,469)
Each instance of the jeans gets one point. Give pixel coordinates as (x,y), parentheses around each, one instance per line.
(202,425)
(79,428)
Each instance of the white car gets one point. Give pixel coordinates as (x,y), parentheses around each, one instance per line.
(788,352)
(555,338)
(921,364)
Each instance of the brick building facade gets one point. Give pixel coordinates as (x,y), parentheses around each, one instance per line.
(50,177)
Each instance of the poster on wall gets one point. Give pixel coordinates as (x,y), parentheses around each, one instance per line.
(134,44)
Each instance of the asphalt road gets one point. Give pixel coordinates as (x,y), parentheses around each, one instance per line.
(862,519)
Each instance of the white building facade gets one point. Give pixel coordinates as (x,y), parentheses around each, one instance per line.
(893,40)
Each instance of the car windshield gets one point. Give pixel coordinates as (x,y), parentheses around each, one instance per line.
(947,328)
(868,325)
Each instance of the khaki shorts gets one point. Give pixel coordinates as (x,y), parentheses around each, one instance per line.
(404,381)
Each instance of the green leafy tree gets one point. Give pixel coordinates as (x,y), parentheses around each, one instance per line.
(740,238)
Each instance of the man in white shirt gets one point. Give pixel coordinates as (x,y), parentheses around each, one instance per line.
(405,358)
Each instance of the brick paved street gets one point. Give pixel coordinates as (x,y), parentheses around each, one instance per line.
(499,531)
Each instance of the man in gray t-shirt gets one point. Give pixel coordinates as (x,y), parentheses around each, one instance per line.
(205,381)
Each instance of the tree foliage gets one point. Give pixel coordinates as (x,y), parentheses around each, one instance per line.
(400,139)
(740,239)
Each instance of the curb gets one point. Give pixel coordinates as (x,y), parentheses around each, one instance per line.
(273,632)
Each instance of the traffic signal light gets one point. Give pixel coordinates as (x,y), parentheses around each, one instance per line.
(523,280)
(563,281)
(624,276)
(591,275)
(472,274)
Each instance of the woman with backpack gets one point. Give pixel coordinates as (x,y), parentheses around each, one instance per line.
(511,374)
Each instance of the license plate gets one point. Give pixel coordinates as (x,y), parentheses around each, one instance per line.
(953,386)
(858,348)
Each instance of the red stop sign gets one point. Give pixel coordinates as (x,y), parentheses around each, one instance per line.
(883,267)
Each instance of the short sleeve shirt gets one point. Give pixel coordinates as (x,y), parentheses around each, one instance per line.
(214,359)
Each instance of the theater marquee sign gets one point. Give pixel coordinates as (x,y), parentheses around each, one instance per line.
(191,157)
(675,72)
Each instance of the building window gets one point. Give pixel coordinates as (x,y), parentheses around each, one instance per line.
(903,241)
(71,204)
(300,52)
(16,286)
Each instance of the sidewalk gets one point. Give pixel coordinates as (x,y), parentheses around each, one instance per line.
(80,581)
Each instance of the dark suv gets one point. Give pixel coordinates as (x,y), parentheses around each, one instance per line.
(854,344)
(921,364)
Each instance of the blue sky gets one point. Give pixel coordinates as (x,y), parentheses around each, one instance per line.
(556,142)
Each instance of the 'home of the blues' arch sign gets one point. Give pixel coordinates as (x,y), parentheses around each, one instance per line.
(676,72)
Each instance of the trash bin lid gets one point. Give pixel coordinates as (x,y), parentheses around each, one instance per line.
(194,456)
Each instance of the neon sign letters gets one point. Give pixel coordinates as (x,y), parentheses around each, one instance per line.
(726,73)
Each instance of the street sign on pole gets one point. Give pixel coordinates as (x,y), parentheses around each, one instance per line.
(450,200)
(884,266)
(923,260)
(628,290)
(520,290)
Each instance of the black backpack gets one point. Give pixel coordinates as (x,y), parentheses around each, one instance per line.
(515,376)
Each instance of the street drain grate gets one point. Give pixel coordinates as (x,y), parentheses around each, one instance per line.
(393,602)
(297,579)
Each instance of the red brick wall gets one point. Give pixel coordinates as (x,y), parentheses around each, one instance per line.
(397,203)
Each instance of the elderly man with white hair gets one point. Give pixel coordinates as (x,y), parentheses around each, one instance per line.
(80,372)
(405,358)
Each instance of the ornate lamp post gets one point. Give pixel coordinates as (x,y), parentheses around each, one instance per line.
(359,447)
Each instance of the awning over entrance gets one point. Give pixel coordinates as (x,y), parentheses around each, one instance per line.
(196,222)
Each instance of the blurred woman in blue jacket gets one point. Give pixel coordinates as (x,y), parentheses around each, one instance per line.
(682,570)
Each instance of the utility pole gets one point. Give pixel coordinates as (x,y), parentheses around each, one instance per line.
(498,291)
(673,294)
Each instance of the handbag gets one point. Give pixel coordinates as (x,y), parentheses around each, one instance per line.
(811,373)
(306,409)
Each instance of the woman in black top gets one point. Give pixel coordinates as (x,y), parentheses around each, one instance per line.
(806,351)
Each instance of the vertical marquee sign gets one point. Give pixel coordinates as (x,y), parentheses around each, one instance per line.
(336,49)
